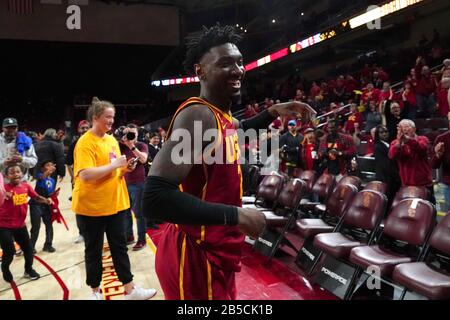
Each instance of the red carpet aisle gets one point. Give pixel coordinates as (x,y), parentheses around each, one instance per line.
(261,281)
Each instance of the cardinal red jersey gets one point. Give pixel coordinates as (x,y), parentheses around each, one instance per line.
(204,254)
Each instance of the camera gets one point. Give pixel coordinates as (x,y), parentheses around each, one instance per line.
(124,136)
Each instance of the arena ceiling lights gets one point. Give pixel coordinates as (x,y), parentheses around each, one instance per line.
(377,13)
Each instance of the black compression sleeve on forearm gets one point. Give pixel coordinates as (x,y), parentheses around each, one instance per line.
(260,121)
(163,200)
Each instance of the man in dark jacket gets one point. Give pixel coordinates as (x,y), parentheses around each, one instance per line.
(49,149)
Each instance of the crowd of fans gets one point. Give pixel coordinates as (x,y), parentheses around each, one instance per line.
(362,115)
(43,158)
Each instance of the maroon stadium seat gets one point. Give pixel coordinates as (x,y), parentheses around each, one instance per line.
(358,228)
(353,180)
(406,225)
(321,191)
(336,206)
(268,191)
(410,192)
(310,177)
(364,212)
(376,186)
(423,278)
(289,201)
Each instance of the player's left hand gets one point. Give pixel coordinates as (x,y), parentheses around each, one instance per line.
(295,108)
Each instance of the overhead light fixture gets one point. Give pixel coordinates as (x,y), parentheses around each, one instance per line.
(245,30)
(273,21)
(237,25)
(303,13)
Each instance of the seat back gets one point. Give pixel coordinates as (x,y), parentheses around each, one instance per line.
(323,186)
(270,187)
(353,180)
(362,148)
(339,200)
(411,221)
(297,172)
(292,193)
(438,123)
(366,210)
(310,177)
(410,192)
(379,186)
(440,238)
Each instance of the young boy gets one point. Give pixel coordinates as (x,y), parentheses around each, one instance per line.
(45,186)
(12,221)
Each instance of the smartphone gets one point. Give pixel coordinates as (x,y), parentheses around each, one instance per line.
(135,159)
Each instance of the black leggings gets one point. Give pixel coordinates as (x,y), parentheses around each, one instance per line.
(7,237)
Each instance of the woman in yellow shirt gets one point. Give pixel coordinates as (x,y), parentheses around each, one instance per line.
(99,199)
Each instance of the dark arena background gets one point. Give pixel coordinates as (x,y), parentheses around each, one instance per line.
(349,215)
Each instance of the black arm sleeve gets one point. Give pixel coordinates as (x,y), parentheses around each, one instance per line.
(163,200)
(260,121)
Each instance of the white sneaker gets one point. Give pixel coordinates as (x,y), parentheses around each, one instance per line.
(140,294)
(79,239)
(96,296)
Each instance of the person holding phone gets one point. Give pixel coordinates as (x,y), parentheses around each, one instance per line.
(100,200)
(137,152)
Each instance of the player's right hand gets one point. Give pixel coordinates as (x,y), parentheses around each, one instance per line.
(251,222)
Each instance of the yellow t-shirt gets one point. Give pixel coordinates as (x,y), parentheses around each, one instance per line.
(103,197)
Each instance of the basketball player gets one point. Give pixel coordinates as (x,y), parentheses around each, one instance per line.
(200,250)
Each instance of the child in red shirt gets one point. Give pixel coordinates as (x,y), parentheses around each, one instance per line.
(13,213)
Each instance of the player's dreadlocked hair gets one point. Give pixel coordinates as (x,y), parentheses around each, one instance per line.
(198,45)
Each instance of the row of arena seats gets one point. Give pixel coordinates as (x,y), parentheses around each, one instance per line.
(350,236)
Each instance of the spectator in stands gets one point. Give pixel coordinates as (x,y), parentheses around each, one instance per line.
(425,89)
(393,115)
(353,118)
(314,91)
(386,170)
(249,111)
(336,150)
(310,151)
(370,93)
(373,116)
(83,127)
(137,151)
(411,153)
(441,157)
(16,147)
(277,125)
(51,150)
(386,93)
(377,82)
(291,146)
(162,136)
(442,98)
(153,147)
(409,101)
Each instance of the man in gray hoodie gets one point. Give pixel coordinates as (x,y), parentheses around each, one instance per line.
(8,148)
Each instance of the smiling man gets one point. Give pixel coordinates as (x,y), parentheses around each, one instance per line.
(200,249)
